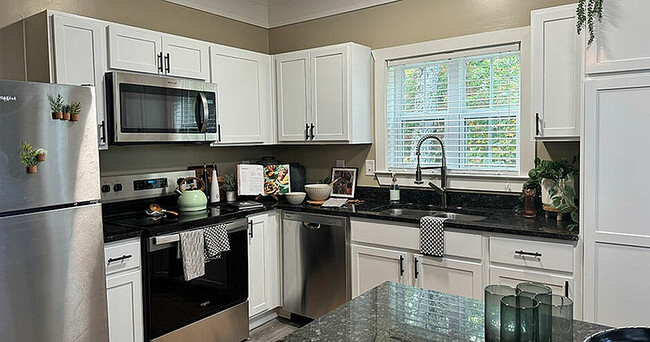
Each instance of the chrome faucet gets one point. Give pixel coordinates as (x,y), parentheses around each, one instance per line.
(442,189)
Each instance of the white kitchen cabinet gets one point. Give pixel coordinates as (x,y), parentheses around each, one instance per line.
(140,50)
(457,277)
(263,263)
(244,101)
(124,291)
(372,266)
(561,285)
(614,200)
(620,44)
(324,95)
(79,47)
(558,60)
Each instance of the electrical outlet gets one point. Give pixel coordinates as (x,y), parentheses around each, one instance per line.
(370,167)
(340,163)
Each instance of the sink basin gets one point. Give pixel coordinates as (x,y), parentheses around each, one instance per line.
(418,213)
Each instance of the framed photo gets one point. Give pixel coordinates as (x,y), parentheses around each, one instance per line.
(345,181)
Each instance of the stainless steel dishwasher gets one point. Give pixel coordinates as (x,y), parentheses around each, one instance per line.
(316,263)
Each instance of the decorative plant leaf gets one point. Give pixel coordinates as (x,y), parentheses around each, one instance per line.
(587,11)
(28,155)
(75,108)
(56,104)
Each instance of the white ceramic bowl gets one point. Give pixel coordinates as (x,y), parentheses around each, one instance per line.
(296,197)
(318,192)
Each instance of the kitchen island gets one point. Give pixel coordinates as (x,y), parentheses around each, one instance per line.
(396,312)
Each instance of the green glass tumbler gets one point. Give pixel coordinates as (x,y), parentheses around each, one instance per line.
(541,293)
(519,319)
(561,311)
(493,295)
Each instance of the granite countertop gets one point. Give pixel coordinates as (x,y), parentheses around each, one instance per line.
(396,312)
(115,233)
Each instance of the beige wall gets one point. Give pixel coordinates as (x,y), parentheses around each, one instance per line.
(156,15)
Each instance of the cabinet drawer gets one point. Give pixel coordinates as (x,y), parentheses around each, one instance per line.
(122,255)
(535,254)
(407,236)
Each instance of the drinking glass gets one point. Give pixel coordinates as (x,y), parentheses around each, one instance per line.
(519,319)
(493,295)
(541,293)
(561,311)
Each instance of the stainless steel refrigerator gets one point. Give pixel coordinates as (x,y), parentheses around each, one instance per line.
(52,281)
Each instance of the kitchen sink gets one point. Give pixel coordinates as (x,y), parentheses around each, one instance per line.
(420,212)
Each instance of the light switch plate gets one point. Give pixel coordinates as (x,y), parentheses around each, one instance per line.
(340,163)
(370,167)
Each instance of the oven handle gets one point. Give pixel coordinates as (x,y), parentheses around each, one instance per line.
(204,104)
(166,241)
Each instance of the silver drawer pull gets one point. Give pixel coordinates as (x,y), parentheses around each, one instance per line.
(122,258)
(533,254)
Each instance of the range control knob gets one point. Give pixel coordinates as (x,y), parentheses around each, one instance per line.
(106,188)
(117,187)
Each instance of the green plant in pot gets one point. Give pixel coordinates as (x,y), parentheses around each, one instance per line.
(66,112)
(75,109)
(563,198)
(230,187)
(56,105)
(28,157)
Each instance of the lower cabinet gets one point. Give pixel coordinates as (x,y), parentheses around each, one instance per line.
(561,285)
(372,266)
(263,263)
(124,291)
(457,277)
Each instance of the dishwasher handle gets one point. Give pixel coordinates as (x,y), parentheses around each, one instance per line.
(311,226)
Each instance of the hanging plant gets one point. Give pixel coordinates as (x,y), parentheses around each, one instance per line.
(588,10)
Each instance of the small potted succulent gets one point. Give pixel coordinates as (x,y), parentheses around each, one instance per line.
(28,157)
(40,154)
(66,112)
(56,104)
(230,187)
(75,109)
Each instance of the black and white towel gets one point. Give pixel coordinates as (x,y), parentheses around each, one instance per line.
(191,250)
(432,236)
(216,241)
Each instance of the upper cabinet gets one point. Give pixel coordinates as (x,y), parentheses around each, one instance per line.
(244,92)
(557,59)
(619,45)
(139,50)
(324,95)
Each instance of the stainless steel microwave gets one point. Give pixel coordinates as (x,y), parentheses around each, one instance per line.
(147,108)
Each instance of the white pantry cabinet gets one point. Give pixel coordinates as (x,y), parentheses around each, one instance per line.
(79,47)
(244,94)
(263,263)
(558,70)
(621,42)
(324,95)
(124,291)
(140,50)
(614,200)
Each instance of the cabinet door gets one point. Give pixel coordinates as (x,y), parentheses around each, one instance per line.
(373,266)
(243,80)
(185,58)
(506,276)
(617,246)
(258,300)
(80,59)
(329,80)
(124,297)
(292,96)
(134,50)
(617,46)
(461,278)
(558,58)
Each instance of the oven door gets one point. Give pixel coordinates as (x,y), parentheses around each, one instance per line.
(172,303)
(161,109)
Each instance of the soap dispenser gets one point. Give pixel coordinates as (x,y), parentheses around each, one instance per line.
(394,190)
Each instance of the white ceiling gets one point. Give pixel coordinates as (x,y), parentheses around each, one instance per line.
(274,13)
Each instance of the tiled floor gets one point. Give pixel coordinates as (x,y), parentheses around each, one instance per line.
(272,331)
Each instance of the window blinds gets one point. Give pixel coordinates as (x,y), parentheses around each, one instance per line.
(470,98)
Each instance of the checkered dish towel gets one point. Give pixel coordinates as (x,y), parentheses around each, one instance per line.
(191,251)
(216,241)
(432,236)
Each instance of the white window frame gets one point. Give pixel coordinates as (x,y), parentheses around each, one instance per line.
(460,181)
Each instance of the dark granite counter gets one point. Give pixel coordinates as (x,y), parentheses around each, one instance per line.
(396,312)
(115,233)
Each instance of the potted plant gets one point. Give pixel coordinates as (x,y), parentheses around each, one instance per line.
(40,154)
(230,186)
(28,157)
(546,173)
(66,112)
(563,198)
(56,104)
(75,109)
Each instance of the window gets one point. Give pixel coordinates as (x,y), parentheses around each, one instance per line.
(470,99)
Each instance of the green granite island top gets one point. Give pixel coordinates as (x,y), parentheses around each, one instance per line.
(396,312)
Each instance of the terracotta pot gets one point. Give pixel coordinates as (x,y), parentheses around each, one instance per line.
(74,117)
(40,157)
(66,116)
(57,115)
(32,169)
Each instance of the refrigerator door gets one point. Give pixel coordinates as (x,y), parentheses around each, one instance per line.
(70,172)
(52,280)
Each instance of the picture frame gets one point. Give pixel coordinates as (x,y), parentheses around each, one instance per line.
(344,181)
